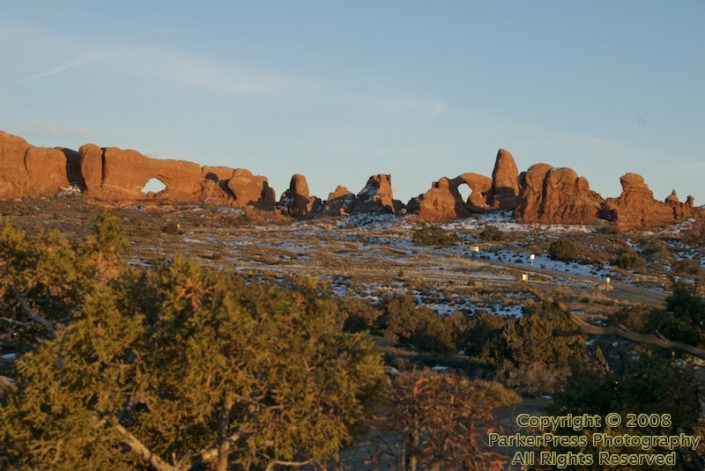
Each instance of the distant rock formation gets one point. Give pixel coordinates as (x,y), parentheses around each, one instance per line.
(248,189)
(505,182)
(376,196)
(636,207)
(556,195)
(296,199)
(443,202)
(116,174)
(542,194)
(480,186)
(27,171)
(113,174)
(340,202)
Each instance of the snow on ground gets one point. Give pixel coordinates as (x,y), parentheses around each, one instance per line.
(505,222)
(674,229)
(432,299)
(540,261)
(372,221)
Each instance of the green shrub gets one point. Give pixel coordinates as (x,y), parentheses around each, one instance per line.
(628,259)
(682,319)
(481,330)
(403,321)
(655,249)
(564,250)
(358,315)
(491,234)
(434,235)
(173,228)
(527,350)
(434,334)
(644,384)
(696,236)
(688,266)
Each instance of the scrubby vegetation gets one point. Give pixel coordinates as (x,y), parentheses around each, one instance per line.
(644,379)
(170,365)
(157,362)
(491,234)
(628,259)
(428,234)
(564,250)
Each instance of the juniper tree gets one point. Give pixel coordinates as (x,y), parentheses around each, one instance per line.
(177,367)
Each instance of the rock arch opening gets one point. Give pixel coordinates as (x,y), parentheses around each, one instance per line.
(465,191)
(153,186)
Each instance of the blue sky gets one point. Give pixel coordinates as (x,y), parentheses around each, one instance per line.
(340,90)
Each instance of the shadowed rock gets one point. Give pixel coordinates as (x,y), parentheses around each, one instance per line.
(376,196)
(505,182)
(340,202)
(297,200)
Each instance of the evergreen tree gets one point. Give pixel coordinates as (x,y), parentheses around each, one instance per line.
(174,367)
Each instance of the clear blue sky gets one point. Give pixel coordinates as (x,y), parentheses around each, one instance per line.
(342,90)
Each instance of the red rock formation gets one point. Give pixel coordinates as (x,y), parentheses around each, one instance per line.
(297,200)
(376,196)
(480,186)
(556,195)
(126,172)
(26,170)
(636,207)
(341,201)
(541,194)
(116,174)
(249,189)
(443,202)
(505,182)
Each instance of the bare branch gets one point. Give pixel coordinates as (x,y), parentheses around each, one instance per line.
(291,464)
(211,454)
(140,449)
(33,316)
(586,328)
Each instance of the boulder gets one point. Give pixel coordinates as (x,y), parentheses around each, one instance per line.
(505,182)
(341,201)
(296,199)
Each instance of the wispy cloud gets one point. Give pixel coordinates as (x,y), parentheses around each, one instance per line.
(71,65)
(207,73)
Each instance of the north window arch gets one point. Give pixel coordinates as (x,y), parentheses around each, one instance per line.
(153,185)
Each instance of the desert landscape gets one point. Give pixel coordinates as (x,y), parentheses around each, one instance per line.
(330,235)
(439,285)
